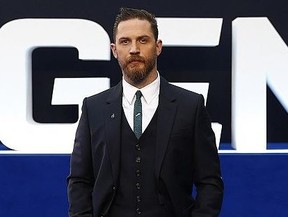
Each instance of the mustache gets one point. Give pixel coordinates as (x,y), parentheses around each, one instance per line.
(135,58)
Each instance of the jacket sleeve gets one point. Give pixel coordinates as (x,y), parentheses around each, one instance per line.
(81,179)
(207,174)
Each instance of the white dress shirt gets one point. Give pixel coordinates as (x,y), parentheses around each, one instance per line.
(149,100)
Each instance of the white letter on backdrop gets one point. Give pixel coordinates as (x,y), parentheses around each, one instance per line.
(18,38)
(259,56)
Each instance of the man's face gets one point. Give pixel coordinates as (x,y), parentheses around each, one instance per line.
(136,50)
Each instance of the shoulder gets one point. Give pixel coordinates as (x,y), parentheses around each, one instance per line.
(114,91)
(183,92)
(105,96)
(178,93)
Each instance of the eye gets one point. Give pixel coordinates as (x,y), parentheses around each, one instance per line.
(143,40)
(124,41)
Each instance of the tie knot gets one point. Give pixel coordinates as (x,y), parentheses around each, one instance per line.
(138,94)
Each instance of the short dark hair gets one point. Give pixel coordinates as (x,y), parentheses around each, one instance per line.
(131,13)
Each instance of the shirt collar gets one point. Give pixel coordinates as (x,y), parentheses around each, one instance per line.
(149,92)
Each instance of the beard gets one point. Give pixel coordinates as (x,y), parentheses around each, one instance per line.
(137,68)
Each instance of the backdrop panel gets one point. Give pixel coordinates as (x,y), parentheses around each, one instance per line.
(35,52)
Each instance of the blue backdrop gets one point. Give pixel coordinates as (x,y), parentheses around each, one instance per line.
(255,185)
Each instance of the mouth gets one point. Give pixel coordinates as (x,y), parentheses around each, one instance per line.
(135,60)
(135,63)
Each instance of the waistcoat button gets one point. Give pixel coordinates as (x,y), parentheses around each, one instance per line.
(138,147)
(138,198)
(138,173)
(138,186)
(138,159)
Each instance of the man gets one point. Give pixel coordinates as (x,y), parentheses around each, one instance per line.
(150,172)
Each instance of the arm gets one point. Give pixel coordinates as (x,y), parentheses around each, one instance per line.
(207,174)
(81,179)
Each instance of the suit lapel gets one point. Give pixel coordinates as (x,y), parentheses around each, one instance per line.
(166,115)
(113,128)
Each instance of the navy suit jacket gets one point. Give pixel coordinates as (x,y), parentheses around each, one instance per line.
(186,154)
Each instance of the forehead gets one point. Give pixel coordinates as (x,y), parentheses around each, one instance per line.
(134,28)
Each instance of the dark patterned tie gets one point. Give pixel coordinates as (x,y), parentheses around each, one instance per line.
(138,114)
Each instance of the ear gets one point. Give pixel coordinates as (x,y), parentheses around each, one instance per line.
(113,49)
(159,47)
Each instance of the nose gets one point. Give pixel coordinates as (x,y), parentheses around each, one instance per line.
(134,49)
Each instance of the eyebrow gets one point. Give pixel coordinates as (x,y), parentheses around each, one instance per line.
(142,36)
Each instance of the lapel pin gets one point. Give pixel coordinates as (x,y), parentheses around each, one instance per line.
(112,116)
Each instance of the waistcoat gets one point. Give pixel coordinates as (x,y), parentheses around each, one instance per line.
(137,193)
